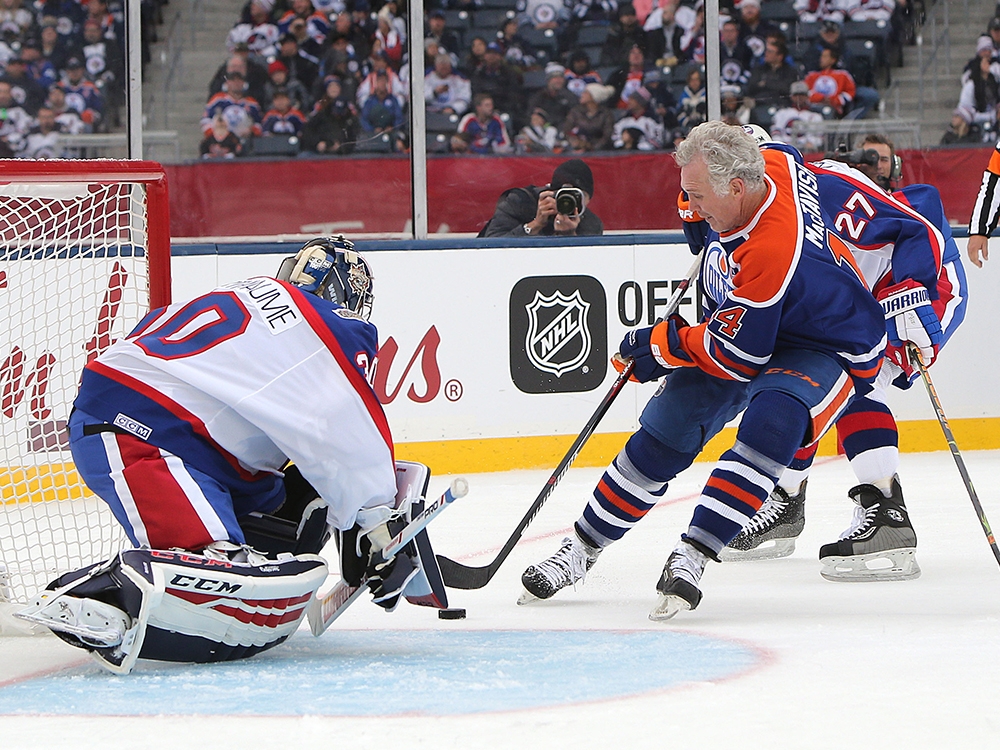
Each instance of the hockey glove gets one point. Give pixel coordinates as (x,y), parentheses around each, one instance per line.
(361,561)
(656,350)
(910,317)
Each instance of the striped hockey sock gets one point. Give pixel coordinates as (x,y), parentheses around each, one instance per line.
(621,499)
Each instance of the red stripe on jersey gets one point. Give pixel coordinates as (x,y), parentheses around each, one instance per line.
(850,424)
(164,508)
(196,425)
(618,501)
(945,296)
(357,381)
(804,454)
(738,492)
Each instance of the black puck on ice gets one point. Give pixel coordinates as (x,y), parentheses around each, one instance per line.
(453,613)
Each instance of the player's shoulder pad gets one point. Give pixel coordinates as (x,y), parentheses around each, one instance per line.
(784,147)
(925,200)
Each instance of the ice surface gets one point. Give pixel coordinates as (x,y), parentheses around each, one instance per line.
(774,657)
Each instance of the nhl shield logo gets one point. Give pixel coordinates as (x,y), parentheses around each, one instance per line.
(558,334)
(558,339)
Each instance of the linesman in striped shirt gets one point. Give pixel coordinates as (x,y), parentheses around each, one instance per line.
(986,212)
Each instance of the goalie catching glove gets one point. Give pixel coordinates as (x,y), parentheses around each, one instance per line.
(656,350)
(910,318)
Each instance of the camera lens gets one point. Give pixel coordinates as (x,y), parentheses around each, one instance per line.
(566,205)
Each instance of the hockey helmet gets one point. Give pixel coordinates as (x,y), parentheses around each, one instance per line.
(759,135)
(331,268)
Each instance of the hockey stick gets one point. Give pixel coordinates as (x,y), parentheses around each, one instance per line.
(918,359)
(324,610)
(459,576)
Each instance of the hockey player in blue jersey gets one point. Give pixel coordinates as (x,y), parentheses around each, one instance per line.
(790,333)
(905,249)
(186,427)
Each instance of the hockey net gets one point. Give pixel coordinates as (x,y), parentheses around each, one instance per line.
(84,255)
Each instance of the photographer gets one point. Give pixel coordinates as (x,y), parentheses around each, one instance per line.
(559,208)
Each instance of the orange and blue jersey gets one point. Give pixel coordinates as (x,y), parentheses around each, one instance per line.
(776,283)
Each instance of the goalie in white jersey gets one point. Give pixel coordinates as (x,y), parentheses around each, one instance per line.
(186,427)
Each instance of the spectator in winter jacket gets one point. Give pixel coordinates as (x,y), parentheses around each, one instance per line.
(532,212)
(638,119)
(538,136)
(382,112)
(554,98)
(770,81)
(590,124)
(332,128)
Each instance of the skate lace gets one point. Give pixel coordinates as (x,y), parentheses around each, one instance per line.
(862,521)
(568,564)
(769,512)
(688,564)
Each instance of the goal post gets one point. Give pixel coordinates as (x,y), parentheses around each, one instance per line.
(84,255)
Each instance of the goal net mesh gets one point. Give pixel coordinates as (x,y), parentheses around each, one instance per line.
(74,278)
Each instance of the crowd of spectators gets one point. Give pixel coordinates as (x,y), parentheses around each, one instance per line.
(528,76)
(63,71)
(975,119)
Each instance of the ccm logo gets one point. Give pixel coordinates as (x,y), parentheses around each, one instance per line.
(205,584)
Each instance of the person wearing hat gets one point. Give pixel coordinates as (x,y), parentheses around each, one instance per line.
(279,79)
(301,66)
(332,128)
(446,39)
(81,94)
(554,98)
(580,72)
(496,77)
(638,119)
(539,136)
(960,130)
(788,122)
(623,35)
(253,72)
(980,93)
(242,113)
(984,48)
(26,91)
(532,211)
(591,121)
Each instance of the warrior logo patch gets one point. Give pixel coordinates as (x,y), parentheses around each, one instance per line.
(558,334)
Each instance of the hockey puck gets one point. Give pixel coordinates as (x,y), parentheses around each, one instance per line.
(453,613)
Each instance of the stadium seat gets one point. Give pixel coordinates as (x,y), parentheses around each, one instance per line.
(439,122)
(380,144)
(776,11)
(438,143)
(862,56)
(806,31)
(275,145)
(544,39)
(498,4)
(534,80)
(488,21)
(592,34)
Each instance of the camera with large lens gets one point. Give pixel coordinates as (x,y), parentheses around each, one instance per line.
(569,201)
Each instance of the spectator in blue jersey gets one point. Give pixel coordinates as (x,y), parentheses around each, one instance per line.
(382,112)
(482,131)
(26,90)
(242,114)
(765,345)
(82,95)
(580,72)
(283,118)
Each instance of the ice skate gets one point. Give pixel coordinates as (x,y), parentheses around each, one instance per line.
(771,533)
(678,584)
(566,567)
(880,545)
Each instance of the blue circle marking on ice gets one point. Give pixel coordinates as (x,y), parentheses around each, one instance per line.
(411,672)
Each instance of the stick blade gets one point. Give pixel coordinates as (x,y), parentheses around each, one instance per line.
(458,576)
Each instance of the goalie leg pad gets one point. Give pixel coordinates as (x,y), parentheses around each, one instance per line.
(186,607)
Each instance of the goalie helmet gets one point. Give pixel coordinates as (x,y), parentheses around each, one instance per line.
(331,268)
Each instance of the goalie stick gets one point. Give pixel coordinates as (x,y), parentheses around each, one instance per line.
(918,360)
(324,610)
(459,576)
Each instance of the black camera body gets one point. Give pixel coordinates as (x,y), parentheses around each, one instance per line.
(859,157)
(569,200)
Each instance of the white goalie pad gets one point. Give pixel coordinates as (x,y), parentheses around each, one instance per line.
(178,606)
(889,565)
(426,587)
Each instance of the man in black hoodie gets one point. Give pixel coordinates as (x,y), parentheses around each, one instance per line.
(533,212)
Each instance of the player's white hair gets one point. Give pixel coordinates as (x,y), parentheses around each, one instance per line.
(728,151)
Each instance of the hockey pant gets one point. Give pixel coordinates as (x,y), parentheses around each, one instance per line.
(791,403)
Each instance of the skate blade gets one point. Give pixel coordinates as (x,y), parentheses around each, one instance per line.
(770,550)
(527,597)
(890,565)
(668,605)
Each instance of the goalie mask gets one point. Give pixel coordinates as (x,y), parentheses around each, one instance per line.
(331,268)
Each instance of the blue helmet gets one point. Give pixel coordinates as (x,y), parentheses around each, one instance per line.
(331,268)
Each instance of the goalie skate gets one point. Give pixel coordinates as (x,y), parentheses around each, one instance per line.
(879,546)
(771,533)
(568,566)
(678,584)
(93,623)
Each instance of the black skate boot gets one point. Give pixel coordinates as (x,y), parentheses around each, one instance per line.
(771,533)
(678,584)
(880,545)
(566,567)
